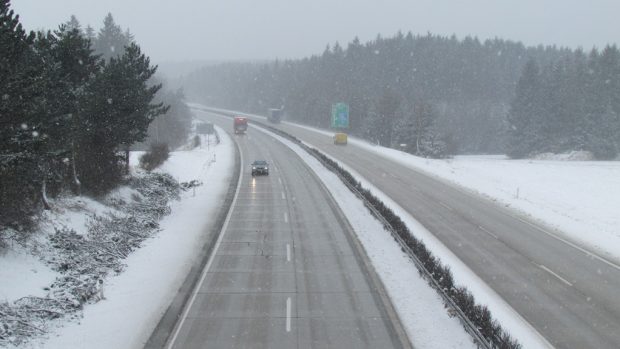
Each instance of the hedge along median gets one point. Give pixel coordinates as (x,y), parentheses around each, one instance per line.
(488,332)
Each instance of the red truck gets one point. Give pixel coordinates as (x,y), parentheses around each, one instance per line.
(240,124)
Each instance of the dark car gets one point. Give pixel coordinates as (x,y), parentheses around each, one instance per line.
(260,167)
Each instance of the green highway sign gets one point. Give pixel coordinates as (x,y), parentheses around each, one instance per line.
(340,115)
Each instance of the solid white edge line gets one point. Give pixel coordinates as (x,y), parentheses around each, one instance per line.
(588,253)
(554,274)
(288,314)
(210,261)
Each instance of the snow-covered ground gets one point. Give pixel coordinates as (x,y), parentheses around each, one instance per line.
(133,301)
(23,274)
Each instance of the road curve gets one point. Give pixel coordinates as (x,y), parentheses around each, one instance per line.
(568,294)
(287,272)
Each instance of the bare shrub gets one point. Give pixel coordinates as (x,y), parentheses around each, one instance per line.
(157,154)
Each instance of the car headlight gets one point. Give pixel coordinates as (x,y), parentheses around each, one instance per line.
(254,167)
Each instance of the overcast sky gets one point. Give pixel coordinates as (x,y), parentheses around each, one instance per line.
(181,30)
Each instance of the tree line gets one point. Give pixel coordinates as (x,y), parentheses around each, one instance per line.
(72,103)
(426,94)
(570,104)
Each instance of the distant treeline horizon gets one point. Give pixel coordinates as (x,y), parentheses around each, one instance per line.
(437,95)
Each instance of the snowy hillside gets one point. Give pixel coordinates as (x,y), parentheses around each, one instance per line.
(137,286)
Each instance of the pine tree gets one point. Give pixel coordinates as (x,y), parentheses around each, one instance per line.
(173,127)
(74,24)
(19,98)
(604,111)
(119,103)
(423,119)
(89,33)
(526,112)
(416,133)
(111,41)
(381,124)
(579,95)
(78,64)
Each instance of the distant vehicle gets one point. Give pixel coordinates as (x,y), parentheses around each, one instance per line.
(240,124)
(260,167)
(275,115)
(340,138)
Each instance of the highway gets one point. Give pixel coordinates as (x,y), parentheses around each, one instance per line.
(567,293)
(287,271)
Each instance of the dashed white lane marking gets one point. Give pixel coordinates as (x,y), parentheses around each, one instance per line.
(283,197)
(588,253)
(488,232)
(288,252)
(279,180)
(288,314)
(555,274)
(445,205)
(285,217)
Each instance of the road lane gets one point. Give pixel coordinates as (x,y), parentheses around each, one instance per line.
(286,273)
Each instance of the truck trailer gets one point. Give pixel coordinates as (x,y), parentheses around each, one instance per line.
(275,115)
(240,124)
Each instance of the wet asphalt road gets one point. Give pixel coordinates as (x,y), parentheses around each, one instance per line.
(287,272)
